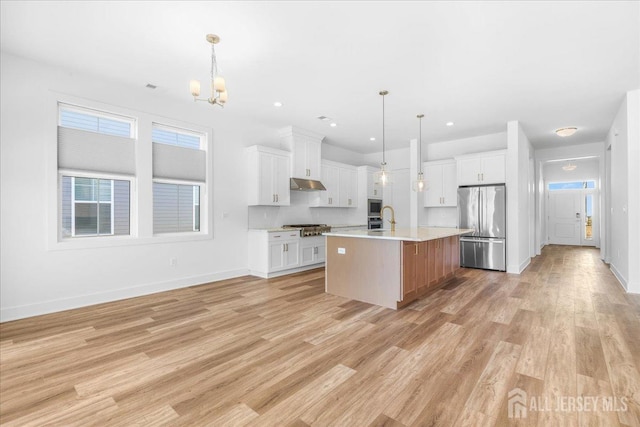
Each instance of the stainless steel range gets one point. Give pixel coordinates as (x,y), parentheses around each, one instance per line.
(307,230)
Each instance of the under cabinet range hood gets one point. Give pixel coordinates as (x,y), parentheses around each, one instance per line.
(301,184)
(305,158)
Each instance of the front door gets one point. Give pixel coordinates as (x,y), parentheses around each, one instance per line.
(565,217)
(572,217)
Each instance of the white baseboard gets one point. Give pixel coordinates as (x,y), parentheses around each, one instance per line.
(284,272)
(511,269)
(53,306)
(619,276)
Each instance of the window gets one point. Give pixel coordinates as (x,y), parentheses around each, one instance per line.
(179,171)
(173,136)
(176,208)
(94,206)
(574,185)
(95,121)
(92,144)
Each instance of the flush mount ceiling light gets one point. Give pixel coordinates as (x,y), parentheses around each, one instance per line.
(569,167)
(333,125)
(383,176)
(566,131)
(219,92)
(372,139)
(449,123)
(420,184)
(277,104)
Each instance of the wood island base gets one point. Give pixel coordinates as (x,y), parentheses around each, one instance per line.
(389,273)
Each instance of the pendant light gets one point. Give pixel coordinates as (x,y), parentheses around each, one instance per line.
(383,176)
(420,184)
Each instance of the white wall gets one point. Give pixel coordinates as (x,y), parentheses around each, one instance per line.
(624,140)
(448,149)
(36,280)
(519,151)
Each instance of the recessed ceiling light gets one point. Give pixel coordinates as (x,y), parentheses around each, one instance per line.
(566,131)
(277,104)
(449,123)
(372,139)
(333,125)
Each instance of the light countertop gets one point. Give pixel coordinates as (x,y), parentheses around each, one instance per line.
(419,234)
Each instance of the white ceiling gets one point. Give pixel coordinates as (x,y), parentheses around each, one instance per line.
(479,64)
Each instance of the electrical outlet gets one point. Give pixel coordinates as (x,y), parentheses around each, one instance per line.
(173,262)
(342,251)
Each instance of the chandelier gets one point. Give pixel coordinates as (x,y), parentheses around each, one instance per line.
(420,184)
(219,92)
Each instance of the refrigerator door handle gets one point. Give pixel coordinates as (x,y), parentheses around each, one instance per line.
(498,241)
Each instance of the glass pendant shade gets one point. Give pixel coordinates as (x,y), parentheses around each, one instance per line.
(419,184)
(383,177)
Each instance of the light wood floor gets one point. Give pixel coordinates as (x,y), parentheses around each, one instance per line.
(281,352)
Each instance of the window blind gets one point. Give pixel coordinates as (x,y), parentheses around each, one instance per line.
(90,151)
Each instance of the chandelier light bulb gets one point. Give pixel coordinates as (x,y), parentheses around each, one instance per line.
(194,87)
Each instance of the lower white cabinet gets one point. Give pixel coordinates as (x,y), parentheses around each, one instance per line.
(277,252)
(283,255)
(312,250)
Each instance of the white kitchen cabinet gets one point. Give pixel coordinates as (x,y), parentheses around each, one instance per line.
(312,250)
(305,152)
(482,168)
(268,176)
(374,189)
(442,184)
(330,178)
(348,187)
(341,182)
(273,251)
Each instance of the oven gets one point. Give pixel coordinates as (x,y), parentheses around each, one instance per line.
(374,222)
(375,206)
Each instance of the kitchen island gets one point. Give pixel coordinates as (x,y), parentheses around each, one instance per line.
(391,268)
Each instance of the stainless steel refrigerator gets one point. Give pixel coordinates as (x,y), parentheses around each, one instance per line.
(483,209)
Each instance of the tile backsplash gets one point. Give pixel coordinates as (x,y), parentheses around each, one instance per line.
(299,212)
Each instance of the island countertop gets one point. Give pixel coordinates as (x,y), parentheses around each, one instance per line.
(414,234)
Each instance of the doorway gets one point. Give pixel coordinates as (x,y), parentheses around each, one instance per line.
(572,213)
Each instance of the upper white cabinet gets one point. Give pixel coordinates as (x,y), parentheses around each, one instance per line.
(374,189)
(305,152)
(442,184)
(269,173)
(341,181)
(348,187)
(368,182)
(482,168)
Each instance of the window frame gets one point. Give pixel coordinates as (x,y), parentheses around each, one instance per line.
(92,237)
(97,113)
(201,186)
(141,183)
(97,202)
(175,129)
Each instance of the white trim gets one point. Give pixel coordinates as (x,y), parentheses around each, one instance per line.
(52,306)
(619,276)
(264,275)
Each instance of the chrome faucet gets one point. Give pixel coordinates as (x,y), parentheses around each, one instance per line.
(393,216)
